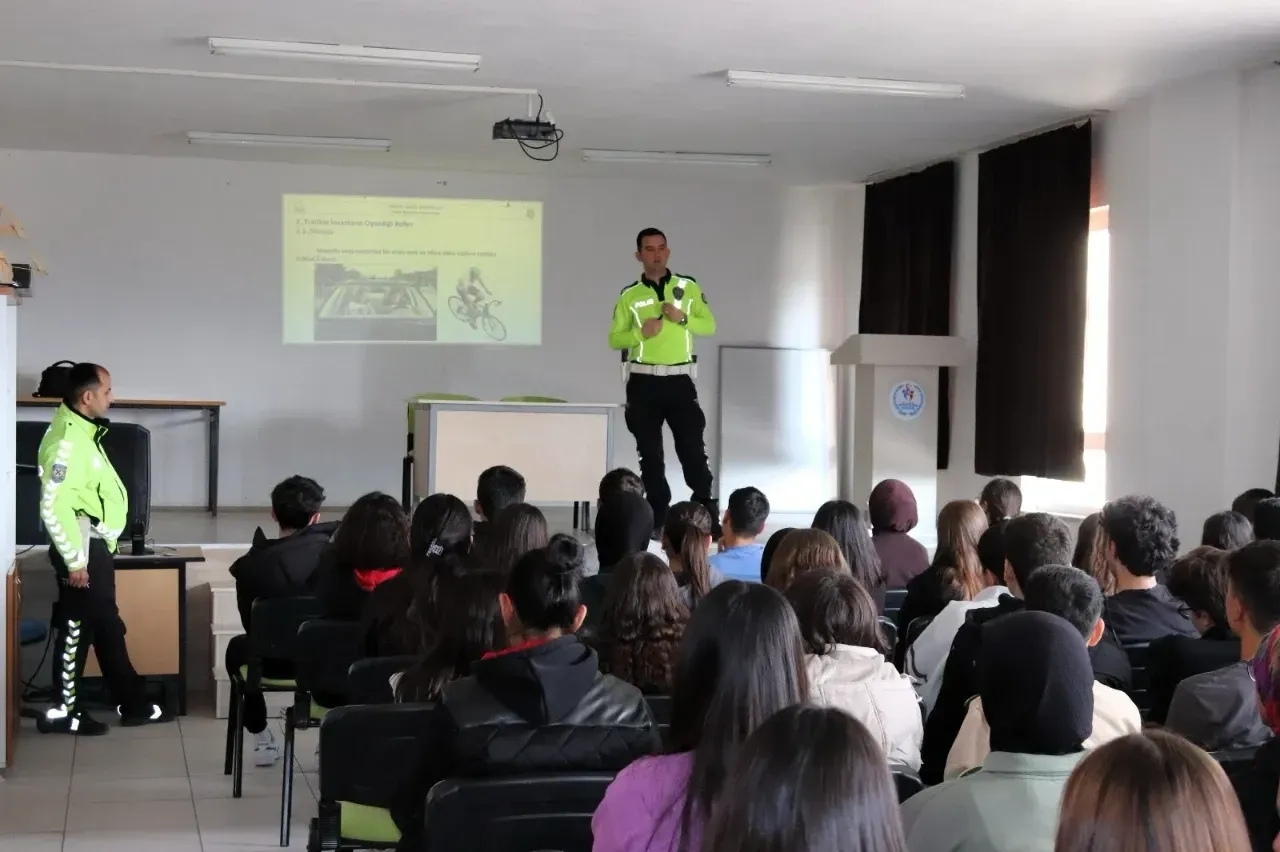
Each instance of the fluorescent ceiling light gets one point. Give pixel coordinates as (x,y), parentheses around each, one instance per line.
(345,53)
(851,85)
(267,140)
(591,155)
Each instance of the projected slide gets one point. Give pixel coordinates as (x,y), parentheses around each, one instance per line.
(364,269)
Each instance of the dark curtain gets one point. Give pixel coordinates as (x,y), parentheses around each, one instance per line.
(1033,238)
(907,243)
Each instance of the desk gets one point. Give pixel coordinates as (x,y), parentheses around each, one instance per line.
(561,449)
(151,592)
(212,407)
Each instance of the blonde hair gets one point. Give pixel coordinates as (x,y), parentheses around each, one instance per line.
(961,524)
(803,550)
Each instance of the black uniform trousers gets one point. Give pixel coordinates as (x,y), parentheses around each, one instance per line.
(89,617)
(651,402)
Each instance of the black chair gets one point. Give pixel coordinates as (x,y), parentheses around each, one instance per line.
(1140,691)
(907,781)
(273,635)
(893,600)
(517,814)
(368,755)
(1236,762)
(369,680)
(890,630)
(325,651)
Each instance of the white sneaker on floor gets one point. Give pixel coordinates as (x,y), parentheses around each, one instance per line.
(265,750)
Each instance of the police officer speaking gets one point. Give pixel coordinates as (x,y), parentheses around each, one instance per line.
(654,322)
(83,505)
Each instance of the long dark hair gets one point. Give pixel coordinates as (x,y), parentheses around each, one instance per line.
(810,779)
(642,623)
(545,586)
(455,619)
(770,548)
(441,524)
(374,534)
(834,609)
(741,661)
(518,529)
(844,522)
(686,536)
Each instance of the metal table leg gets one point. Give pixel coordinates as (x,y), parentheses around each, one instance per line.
(215,416)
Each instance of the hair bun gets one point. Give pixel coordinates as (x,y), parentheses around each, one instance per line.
(565,553)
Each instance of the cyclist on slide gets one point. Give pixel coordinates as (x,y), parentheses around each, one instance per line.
(472,292)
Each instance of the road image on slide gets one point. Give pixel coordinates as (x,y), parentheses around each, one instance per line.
(352,305)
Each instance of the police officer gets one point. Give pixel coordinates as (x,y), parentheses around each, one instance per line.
(84,507)
(654,322)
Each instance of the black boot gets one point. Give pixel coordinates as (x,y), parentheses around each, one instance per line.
(153,715)
(79,723)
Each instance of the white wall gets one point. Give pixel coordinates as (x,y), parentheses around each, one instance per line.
(1193,181)
(167,270)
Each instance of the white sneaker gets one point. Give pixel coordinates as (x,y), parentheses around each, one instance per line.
(265,750)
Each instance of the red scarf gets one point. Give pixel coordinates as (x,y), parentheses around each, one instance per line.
(523,646)
(370,578)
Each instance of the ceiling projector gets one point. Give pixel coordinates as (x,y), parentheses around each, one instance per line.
(526,130)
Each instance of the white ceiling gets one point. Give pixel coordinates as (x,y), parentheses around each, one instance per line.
(632,75)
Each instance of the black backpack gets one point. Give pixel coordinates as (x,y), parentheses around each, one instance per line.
(53,381)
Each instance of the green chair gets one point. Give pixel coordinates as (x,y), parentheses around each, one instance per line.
(550,399)
(273,635)
(406,473)
(369,753)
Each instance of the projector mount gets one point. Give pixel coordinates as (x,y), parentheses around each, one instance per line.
(532,134)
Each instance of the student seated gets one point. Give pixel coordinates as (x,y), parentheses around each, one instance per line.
(1031,541)
(956,572)
(1219,709)
(741,661)
(1226,531)
(440,529)
(686,538)
(1001,500)
(1139,539)
(370,546)
(770,551)
(1036,683)
(1199,580)
(623,525)
(539,705)
(497,488)
(1258,782)
(800,552)
(281,567)
(1088,557)
(1247,502)
(1150,791)
(808,780)
(845,659)
(892,507)
(457,620)
(744,520)
(643,619)
(842,521)
(1266,519)
(517,529)
(620,481)
(1072,595)
(931,646)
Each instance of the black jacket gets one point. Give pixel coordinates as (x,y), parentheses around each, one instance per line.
(926,596)
(279,567)
(960,682)
(1255,783)
(1144,615)
(538,709)
(1172,659)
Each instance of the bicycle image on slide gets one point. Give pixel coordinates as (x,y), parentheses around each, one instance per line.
(473,304)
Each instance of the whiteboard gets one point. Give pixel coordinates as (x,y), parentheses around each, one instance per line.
(778,426)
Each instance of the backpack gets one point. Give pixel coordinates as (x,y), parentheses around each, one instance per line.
(53,381)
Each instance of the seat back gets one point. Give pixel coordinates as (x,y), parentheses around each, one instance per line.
(273,626)
(915,628)
(325,650)
(369,680)
(907,781)
(893,599)
(515,814)
(660,706)
(370,753)
(1140,691)
(889,629)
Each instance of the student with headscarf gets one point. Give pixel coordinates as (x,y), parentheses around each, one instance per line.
(1257,783)
(1040,715)
(893,512)
(624,522)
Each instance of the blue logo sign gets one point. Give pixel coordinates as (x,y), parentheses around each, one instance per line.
(907,400)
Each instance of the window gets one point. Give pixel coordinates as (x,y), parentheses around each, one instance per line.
(1082,498)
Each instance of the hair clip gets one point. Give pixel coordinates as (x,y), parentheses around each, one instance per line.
(435,548)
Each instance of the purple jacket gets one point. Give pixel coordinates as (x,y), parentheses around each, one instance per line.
(642,807)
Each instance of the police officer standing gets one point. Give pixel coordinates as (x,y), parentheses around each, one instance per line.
(654,322)
(84,507)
